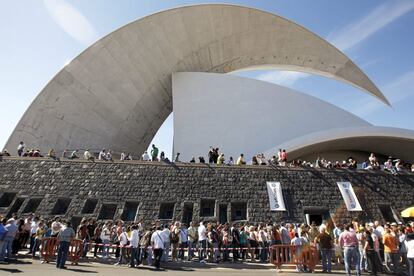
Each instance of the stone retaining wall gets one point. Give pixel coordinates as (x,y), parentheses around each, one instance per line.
(192,191)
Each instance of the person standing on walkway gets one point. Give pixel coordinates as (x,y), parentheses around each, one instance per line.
(20,149)
(326,245)
(391,245)
(349,242)
(65,237)
(202,241)
(371,254)
(154,153)
(157,244)
(409,245)
(134,244)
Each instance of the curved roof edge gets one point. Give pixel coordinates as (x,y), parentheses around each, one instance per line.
(117,92)
(397,142)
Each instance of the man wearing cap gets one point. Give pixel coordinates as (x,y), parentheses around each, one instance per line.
(349,242)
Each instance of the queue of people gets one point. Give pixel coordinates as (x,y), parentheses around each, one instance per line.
(373,247)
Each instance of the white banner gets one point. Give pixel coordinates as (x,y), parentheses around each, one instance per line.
(351,201)
(275,196)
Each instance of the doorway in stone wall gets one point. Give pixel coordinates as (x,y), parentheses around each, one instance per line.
(316,215)
(223,213)
(187,213)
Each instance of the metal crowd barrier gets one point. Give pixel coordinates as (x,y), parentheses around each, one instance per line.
(50,246)
(306,256)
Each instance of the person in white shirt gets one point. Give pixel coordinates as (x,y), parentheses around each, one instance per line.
(165,234)
(123,242)
(202,241)
(409,245)
(298,243)
(33,228)
(145,156)
(20,149)
(157,244)
(230,161)
(102,155)
(106,238)
(109,156)
(123,156)
(133,242)
(88,156)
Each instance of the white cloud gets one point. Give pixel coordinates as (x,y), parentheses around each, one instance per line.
(282,77)
(71,20)
(379,18)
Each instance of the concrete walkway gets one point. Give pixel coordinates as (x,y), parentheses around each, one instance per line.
(36,268)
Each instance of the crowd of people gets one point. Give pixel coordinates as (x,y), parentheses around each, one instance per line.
(392,165)
(365,247)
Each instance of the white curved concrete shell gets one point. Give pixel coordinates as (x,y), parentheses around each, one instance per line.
(386,141)
(117,92)
(242,115)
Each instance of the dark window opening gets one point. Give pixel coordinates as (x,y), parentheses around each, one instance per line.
(32,205)
(223,213)
(107,211)
(188,213)
(130,211)
(89,207)
(61,206)
(238,211)
(166,210)
(16,206)
(207,208)
(6,199)
(386,213)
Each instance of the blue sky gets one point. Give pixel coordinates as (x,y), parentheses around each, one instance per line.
(40,37)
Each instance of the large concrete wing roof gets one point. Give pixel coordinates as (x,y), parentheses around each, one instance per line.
(117,93)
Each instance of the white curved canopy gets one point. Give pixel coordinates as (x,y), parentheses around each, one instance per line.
(117,92)
(387,141)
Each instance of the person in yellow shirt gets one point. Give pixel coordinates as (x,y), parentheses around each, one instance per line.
(40,231)
(221,159)
(240,160)
(391,242)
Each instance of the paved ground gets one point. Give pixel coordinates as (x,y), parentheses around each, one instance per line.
(35,268)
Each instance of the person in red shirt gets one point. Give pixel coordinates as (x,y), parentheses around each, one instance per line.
(291,231)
